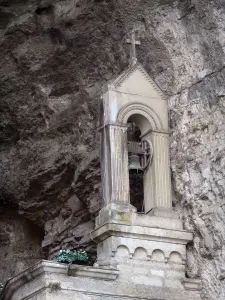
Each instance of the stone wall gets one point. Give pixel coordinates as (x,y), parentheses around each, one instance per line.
(20,242)
(54,56)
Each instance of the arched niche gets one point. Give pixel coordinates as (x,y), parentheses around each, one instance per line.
(140,253)
(175,258)
(157,186)
(147,121)
(158,255)
(145,117)
(122,251)
(136,177)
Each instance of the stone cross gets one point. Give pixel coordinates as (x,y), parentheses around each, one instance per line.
(133,43)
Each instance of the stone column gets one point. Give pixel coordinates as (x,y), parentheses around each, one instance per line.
(114,165)
(157,179)
(161,169)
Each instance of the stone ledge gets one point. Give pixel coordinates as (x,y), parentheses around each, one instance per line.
(157,218)
(45,266)
(192,284)
(37,282)
(93,272)
(141,232)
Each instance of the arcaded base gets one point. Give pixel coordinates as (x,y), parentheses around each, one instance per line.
(49,280)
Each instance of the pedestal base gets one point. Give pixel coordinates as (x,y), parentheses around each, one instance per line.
(118,242)
(148,248)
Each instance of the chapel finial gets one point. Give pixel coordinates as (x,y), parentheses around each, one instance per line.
(133,42)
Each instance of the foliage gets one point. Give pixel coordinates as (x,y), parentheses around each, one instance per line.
(67,256)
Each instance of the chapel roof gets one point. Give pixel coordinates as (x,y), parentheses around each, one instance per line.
(135,79)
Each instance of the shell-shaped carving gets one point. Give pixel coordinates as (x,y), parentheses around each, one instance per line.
(122,251)
(158,255)
(140,253)
(175,257)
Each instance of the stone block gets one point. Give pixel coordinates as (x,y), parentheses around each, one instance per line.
(171,283)
(175,273)
(147,280)
(158,273)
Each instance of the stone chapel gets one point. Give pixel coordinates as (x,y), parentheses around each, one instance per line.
(139,255)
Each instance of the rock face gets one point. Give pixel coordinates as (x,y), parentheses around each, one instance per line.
(54,57)
(20,242)
(198,161)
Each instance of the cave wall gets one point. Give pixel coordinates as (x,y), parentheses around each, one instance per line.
(198,172)
(54,57)
(20,244)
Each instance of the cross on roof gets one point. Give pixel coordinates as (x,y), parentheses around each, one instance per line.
(133,43)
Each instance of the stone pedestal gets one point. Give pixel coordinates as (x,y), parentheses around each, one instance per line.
(132,240)
(127,244)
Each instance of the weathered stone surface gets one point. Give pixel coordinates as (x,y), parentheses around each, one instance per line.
(197,151)
(55,55)
(20,242)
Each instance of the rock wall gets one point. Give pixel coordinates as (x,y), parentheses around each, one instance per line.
(198,170)
(20,244)
(54,57)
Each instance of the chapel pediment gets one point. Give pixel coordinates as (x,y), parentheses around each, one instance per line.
(135,80)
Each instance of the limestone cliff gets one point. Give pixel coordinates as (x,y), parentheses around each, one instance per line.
(54,57)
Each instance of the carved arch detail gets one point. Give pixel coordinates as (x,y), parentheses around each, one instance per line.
(158,255)
(122,251)
(137,108)
(140,253)
(175,257)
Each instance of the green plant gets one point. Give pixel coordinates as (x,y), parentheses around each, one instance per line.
(68,256)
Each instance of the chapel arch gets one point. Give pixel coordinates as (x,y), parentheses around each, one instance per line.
(140,125)
(142,112)
(136,176)
(157,186)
